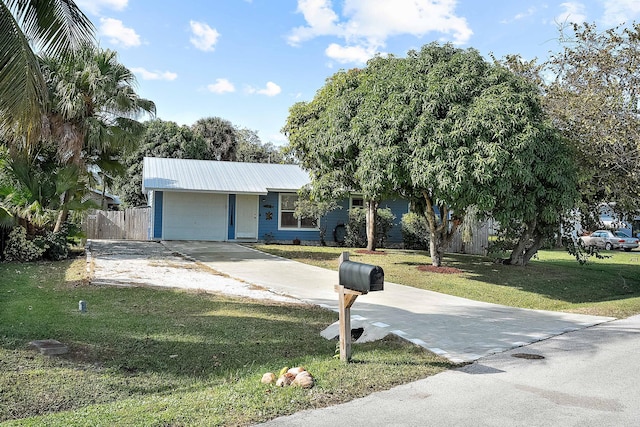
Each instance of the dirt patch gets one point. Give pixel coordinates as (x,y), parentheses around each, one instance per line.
(366,252)
(440,270)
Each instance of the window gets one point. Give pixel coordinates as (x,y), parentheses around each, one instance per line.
(287,214)
(357,202)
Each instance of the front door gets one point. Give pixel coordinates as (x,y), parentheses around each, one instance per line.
(246,217)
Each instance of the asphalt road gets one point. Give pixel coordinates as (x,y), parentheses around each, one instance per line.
(588,377)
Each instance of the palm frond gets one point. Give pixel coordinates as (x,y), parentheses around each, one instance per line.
(55,27)
(22,88)
(7,220)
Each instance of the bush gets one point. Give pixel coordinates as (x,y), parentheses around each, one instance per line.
(19,248)
(55,244)
(356,228)
(415,231)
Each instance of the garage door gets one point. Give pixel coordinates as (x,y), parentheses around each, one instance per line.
(194,216)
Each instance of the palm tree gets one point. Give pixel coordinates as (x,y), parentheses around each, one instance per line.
(33,186)
(93,107)
(54,27)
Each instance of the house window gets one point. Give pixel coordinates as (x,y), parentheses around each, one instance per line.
(288,219)
(357,202)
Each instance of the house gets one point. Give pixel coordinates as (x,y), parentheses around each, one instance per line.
(103,200)
(234,201)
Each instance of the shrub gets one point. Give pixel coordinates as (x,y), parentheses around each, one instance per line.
(19,248)
(415,231)
(355,232)
(356,228)
(55,244)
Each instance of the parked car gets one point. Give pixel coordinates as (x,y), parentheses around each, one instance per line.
(610,239)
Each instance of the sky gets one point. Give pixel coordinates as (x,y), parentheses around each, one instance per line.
(249,61)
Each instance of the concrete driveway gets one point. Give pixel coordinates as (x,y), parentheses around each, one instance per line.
(459,329)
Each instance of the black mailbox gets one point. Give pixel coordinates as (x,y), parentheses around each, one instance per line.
(361,277)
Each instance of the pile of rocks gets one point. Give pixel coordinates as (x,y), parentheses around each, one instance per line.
(299,377)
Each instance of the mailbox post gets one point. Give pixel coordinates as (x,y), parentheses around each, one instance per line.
(355,279)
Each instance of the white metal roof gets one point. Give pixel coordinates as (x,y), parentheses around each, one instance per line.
(220,177)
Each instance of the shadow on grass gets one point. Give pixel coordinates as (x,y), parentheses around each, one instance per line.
(564,280)
(303,253)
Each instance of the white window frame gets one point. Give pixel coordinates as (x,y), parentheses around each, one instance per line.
(280,211)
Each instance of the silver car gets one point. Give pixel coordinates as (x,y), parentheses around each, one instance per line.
(610,239)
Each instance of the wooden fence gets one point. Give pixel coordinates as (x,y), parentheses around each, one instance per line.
(130,224)
(478,243)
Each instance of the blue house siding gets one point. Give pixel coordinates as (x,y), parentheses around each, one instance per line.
(399,207)
(333,222)
(202,214)
(268,219)
(157,214)
(269,213)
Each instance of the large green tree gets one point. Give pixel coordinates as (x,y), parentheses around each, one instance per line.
(446,128)
(220,138)
(477,136)
(93,107)
(160,139)
(93,104)
(344,152)
(252,150)
(53,27)
(592,92)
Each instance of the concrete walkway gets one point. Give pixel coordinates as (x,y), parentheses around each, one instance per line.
(459,329)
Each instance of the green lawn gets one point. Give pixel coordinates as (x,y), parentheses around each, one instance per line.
(143,356)
(554,281)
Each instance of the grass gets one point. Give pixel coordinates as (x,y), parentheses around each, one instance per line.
(553,281)
(142,356)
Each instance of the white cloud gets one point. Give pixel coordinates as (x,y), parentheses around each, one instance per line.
(204,37)
(271,89)
(365,25)
(154,75)
(117,33)
(530,12)
(322,21)
(221,86)
(573,12)
(618,11)
(95,6)
(346,54)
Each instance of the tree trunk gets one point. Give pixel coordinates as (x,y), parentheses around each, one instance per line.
(439,233)
(436,251)
(521,254)
(63,213)
(372,210)
(537,243)
(104,191)
(62,217)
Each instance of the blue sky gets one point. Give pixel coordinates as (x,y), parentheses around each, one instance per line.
(248,61)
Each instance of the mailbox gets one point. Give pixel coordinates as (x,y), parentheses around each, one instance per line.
(361,277)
